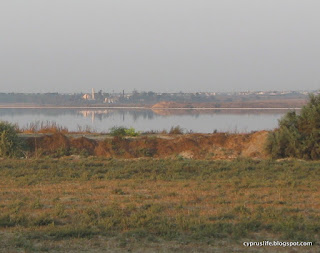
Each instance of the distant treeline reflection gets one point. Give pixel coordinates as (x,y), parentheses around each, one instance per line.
(101,114)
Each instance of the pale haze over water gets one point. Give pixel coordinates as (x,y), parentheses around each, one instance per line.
(180,45)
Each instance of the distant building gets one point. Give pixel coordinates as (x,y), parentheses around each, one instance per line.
(110,100)
(86,97)
(92,94)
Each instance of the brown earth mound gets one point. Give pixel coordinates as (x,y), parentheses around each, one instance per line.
(83,144)
(255,106)
(265,103)
(49,143)
(170,104)
(197,146)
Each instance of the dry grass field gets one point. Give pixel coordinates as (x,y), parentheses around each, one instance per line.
(156,205)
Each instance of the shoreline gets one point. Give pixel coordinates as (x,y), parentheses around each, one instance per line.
(148,108)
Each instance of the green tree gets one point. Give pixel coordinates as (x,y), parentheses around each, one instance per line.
(298,135)
(10,144)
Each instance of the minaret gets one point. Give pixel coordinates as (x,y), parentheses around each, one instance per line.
(92,95)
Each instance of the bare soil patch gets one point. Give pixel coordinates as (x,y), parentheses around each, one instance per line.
(196,146)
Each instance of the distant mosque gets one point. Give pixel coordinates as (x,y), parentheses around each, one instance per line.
(88,96)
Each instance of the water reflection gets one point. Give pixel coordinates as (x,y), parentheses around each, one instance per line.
(146,119)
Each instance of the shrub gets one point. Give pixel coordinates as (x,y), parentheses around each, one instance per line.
(131,132)
(10,144)
(44,127)
(298,135)
(176,130)
(123,131)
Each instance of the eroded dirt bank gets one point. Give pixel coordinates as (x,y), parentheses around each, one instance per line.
(197,146)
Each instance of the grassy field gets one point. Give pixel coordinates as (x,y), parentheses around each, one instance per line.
(156,205)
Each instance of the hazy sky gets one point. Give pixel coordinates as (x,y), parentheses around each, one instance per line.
(163,45)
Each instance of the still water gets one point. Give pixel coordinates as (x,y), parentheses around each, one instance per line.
(101,120)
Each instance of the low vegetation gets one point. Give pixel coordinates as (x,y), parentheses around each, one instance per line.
(123,131)
(50,127)
(43,127)
(176,130)
(298,135)
(179,205)
(10,143)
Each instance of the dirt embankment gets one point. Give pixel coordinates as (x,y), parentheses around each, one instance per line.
(267,103)
(197,146)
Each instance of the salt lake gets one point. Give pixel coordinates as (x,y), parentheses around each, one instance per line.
(102,119)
